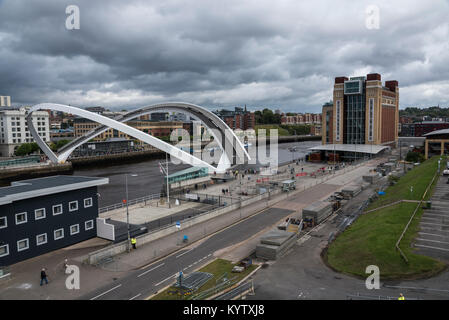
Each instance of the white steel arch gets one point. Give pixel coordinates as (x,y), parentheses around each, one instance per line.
(210,120)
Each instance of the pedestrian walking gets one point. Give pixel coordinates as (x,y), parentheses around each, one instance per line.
(43,276)
(134,242)
(401,297)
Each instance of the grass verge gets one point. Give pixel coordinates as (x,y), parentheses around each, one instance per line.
(371,239)
(217,268)
(419,178)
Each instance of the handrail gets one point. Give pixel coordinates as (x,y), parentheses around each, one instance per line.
(130,202)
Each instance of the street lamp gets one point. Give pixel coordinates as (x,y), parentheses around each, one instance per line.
(165,171)
(127,209)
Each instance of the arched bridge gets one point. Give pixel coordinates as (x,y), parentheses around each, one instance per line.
(219,130)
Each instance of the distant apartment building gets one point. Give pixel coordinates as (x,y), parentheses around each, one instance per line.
(315,129)
(14,129)
(327,128)
(157,129)
(238,119)
(178,116)
(158,116)
(5,101)
(306,118)
(363,111)
(419,129)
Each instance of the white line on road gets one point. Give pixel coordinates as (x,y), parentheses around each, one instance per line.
(102,294)
(435,224)
(184,253)
(445,242)
(172,276)
(432,234)
(150,270)
(136,296)
(430,247)
(303,239)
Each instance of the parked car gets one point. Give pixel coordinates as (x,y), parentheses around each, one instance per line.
(446,172)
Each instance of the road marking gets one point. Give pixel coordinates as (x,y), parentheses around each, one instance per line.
(318,228)
(184,253)
(432,234)
(172,276)
(150,270)
(136,296)
(102,294)
(432,240)
(303,239)
(430,247)
(435,224)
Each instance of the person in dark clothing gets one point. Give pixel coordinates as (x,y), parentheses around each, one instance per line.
(43,276)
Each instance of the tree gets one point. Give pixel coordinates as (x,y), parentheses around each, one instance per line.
(56,146)
(414,157)
(26,149)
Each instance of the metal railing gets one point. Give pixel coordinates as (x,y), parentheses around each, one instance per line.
(144,199)
(437,173)
(359,296)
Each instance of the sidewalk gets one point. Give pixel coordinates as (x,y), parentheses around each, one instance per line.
(152,210)
(24,283)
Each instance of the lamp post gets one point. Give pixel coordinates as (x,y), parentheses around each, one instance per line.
(127,209)
(165,171)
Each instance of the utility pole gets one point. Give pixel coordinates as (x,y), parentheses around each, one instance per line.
(168,187)
(165,171)
(127,212)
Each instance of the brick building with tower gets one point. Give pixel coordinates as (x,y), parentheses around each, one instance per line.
(363,111)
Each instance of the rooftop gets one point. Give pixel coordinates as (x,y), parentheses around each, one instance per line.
(186,171)
(361,148)
(26,189)
(436,132)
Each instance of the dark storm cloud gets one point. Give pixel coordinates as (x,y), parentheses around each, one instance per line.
(218,53)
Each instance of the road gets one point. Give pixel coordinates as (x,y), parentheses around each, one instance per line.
(144,282)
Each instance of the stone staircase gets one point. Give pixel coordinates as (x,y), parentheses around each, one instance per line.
(433,236)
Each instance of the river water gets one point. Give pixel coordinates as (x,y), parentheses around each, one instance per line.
(145,178)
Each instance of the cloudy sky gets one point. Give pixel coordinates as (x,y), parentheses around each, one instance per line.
(278,54)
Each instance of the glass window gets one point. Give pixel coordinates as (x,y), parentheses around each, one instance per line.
(73,206)
(41,239)
(87,202)
(89,225)
(3,222)
(4,250)
(21,218)
(39,214)
(57,209)
(59,234)
(74,229)
(22,245)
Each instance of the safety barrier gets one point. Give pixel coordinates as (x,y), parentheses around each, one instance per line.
(150,197)
(437,173)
